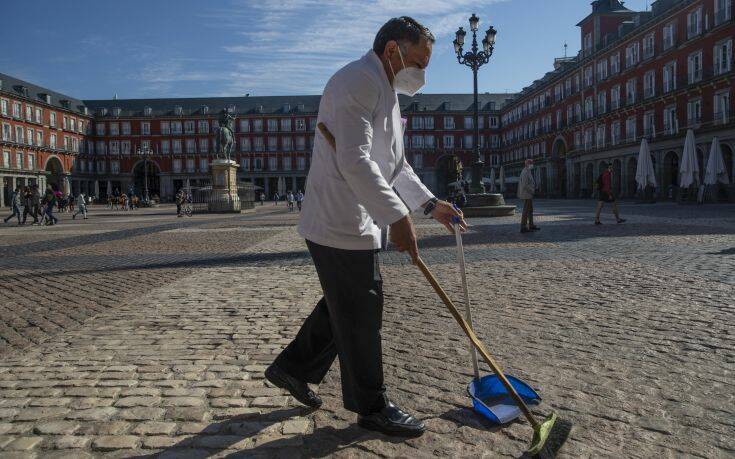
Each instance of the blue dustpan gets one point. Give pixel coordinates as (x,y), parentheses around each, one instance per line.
(489,396)
(491,399)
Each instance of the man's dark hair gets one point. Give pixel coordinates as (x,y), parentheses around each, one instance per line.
(403,28)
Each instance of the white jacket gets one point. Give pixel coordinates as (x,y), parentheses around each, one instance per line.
(349,193)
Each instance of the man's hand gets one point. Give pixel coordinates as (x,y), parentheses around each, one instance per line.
(403,235)
(444,212)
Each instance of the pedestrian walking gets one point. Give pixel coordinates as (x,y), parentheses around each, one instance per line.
(28,206)
(299,199)
(605,194)
(50,200)
(275,198)
(180,197)
(70,203)
(290,201)
(262,198)
(351,187)
(526,190)
(81,207)
(16,202)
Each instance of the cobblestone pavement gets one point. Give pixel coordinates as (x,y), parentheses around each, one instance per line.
(138,335)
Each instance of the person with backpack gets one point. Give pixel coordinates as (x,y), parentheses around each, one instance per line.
(16,202)
(605,194)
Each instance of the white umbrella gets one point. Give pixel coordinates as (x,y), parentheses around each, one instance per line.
(492,180)
(502,178)
(689,170)
(109,188)
(715,171)
(187,185)
(644,174)
(281,186)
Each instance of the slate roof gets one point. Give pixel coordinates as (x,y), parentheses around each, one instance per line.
(37,94)
(457,102)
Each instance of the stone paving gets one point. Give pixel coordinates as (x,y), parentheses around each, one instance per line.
(143,335)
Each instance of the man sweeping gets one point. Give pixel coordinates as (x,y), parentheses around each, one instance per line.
(355,193)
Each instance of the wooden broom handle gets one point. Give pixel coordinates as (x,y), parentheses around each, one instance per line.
(476,342)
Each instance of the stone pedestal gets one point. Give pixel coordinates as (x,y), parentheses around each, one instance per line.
(224,197)
(487,205)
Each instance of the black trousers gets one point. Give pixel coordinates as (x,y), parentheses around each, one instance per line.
(346,322)
(527,216)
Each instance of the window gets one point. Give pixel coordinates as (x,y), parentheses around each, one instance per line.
(428,141)
(125,128)
(588,134)
(721,107)
(30,136)
(244,126)
(601,102)
(18,160)
(16,110)
(177,146)
(468,122)
(602,70)
(630,125)
(272,125)
(245,144)
(570,114)
(723,57)
(312,124)
(418,161)
(19,134)
(114,129)
(272,163)
(300,124)
(568,86)
(287,143)
(671,123)
(114,147)
(258,125)
(587,44)
(630,92)
(559,120)
(448,141)
(204,145)
(632,55)
(601,136)
(189,127)
(301,163)
(723,11)
(670,77)
(286,162)
(125,147)
(145,128)
(114,167)
(176,127)
(649,84)
(669,35)
(177,165)
(448,122)
(578,139)
(190,165)
(65,122)
(31,161)
(101,147)
(6,159)
(39,138)
(4,107)
(615,133)
(558,93)
(467,142)
(694,63)
(615,98)
(52,119)
(191,146)
(300,143)
(272,143)
(165,127)
(589,108)
(649,45)
(39,117)
(100,128)
(245,164)
(694,23)
(578,112)
(29,113)
(72,124)
(52,141)
(165,147)
(588,76)
(649,124)
(258,144)
(258,163)
(286,124)
(694,112)
(7,132)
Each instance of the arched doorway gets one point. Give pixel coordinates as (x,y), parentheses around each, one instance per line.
(632,168)
(446,173)
(139,177)
(617,177)
(55,174)
(559,154)
(727,158)
(589,178)
(670,175)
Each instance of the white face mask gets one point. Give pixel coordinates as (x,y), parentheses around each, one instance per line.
(408,80)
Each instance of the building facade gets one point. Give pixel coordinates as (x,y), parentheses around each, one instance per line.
(43,133)
(650,75)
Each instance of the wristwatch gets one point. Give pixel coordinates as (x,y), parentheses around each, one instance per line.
(430,206)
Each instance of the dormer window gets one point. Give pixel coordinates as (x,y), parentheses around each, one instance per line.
(286,108)
(102,111)
(259,108)
(205,109)
(116,111)
(45,97)
(300,107)
(178,110)
(64,103)
(147,111)
(231,108)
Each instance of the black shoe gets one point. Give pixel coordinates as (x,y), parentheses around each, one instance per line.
(299,389)
(534,228)
(621,220)
(391,420)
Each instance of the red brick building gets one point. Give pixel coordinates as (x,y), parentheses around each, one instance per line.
(639,74)
(42,134)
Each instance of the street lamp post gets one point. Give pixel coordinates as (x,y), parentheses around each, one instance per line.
(145,152)
(475,59)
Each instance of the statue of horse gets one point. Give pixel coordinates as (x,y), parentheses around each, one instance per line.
(224,142)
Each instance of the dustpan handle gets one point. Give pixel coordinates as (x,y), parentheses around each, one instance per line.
(468,308)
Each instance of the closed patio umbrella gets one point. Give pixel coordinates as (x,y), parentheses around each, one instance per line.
(502,179)
(715,171)
(645,175)
(492,180)
(689,170)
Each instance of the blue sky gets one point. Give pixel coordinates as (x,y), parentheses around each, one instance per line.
(189,48)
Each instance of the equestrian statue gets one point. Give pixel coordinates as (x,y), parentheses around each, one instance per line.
(224,142)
